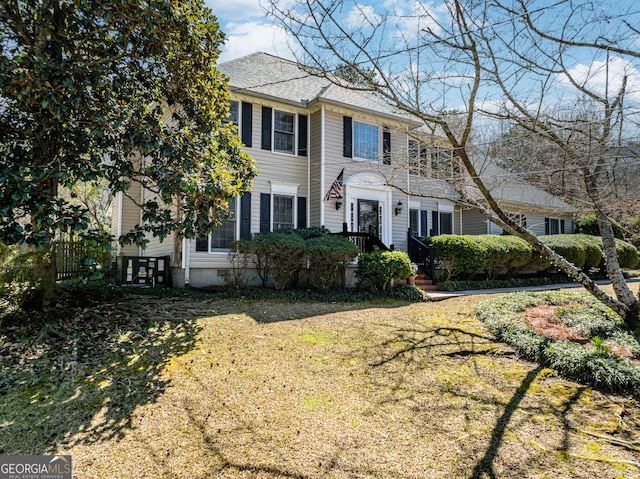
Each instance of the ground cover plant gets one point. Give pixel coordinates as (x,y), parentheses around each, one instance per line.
(193,385)
(571,332)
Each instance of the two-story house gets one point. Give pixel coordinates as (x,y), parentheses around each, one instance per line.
(326,156)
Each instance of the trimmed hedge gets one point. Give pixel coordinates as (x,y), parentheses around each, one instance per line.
(378,269)
(328,256)
(588,225)
(465,255)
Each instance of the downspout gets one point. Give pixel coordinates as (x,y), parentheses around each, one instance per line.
(308,215)
(187,265)
(322,161)
(119,226)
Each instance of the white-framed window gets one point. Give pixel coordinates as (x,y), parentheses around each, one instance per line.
(283,212)
(366,141)
(554,226)
(284,128)
(222,235)
(418,154)
(234,112)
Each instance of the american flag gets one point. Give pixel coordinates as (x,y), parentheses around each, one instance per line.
(336,188)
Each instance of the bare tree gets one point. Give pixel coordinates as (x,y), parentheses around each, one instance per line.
(560,73)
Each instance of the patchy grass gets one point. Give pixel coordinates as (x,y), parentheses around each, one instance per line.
(197,387)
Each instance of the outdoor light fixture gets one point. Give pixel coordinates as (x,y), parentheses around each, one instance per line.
(338,202)
(399,208)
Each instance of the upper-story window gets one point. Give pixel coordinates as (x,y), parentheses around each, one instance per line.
(418,158)
(234,115)
(284,132)
(366,142)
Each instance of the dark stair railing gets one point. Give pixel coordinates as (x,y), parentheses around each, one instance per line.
(422,255)
(366,242)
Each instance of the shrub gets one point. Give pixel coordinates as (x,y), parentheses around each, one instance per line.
(592,249)
(378,269)
(627,254)
(588,225)
(328,255)
(26,281)
(568,247)
(307,233)
(458,254)
(507,254)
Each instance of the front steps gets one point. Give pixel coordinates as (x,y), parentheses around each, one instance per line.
(421,282)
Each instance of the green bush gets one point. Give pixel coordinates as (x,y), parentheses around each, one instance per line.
(378,269)
(508,254)
(328,255)
(26,280)
(592,248)
(627,254)
(567,246)
(307,233)
(277,255)
(458,254)
(588,225)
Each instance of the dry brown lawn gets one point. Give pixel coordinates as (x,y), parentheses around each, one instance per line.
(277,390)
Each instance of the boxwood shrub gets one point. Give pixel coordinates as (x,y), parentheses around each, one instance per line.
(377,270)
(328,255)
(459,254)
(505,254)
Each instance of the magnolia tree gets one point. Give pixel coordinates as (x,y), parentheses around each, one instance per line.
(563,74)
(110,94)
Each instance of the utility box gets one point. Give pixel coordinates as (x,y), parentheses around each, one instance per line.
(146,271)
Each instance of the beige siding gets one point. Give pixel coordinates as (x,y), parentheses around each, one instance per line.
(130,217)
(315,151)
(473,223)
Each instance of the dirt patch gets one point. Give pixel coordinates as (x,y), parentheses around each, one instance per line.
(544,321)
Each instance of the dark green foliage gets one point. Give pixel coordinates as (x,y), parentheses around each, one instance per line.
(87,89)
(588,225)
(279,256)
(568,247)
(307,233)
(592,246)
(627,254)
(377,270)
(328,256)
(25,281)
(595,365)
(505,254)
(458,254)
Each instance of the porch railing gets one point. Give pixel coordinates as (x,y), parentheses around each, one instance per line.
(422,255)
(365,242)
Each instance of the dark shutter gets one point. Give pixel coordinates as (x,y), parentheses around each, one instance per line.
(266,128)
(265,212)
(386,145)
(245,216)
(547,226)
(247,123)
(562,226)
(347,137)
(434,219)
(302,135)
(424,215)
(302,212)
(202,243)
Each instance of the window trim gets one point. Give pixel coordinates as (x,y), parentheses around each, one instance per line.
(236,230)
(294,152)
(354,142)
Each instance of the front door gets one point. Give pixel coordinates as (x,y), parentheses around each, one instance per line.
(369,217)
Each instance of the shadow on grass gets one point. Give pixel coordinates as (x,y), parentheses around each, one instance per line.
(82,384)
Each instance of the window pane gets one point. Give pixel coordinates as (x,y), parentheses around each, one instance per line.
(414,222)
(365,141)
(554,226)
(446,223)
(224,234)
(282,212)
(283,131)
(233,112)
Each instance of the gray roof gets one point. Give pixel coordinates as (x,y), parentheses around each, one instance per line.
(283,80)
(506,187)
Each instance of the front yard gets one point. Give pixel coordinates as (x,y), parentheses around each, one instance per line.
(183,387)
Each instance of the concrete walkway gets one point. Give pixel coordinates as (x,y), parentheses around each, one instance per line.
(440,295)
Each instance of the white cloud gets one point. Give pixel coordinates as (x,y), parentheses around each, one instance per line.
(601,77)
(361,16)
(250,37)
